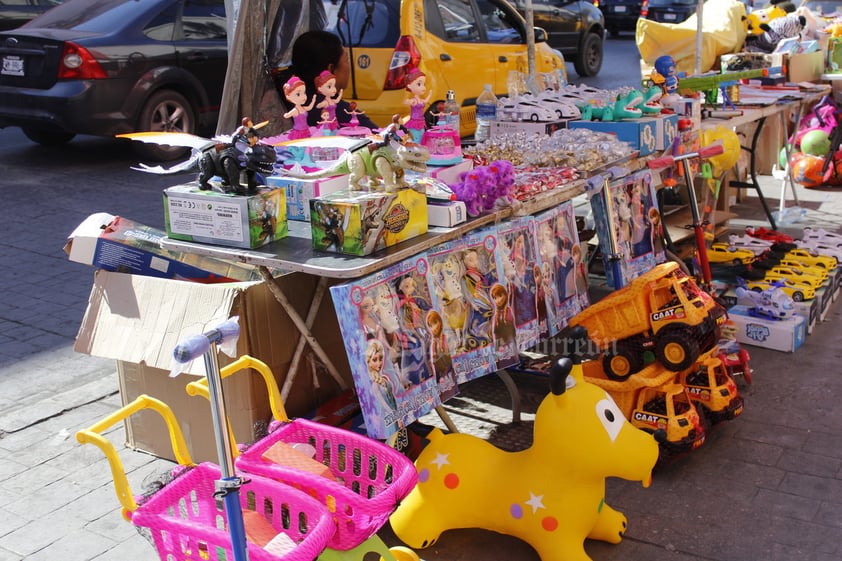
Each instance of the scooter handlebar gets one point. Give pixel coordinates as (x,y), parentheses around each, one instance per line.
(703,153)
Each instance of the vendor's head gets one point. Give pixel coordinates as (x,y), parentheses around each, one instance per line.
(317,51)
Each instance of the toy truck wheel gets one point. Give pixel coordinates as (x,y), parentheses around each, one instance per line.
(798,296)
(677,350)
(621,364)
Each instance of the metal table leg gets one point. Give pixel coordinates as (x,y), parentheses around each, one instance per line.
(753,184)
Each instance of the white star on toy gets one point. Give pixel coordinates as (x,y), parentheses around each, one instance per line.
(441,460)
(535,501)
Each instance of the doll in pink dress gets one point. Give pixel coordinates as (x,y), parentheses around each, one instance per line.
(353,128)
(296,93)
(326,85)
(417,86)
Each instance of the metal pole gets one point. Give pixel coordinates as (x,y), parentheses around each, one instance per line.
(530,38)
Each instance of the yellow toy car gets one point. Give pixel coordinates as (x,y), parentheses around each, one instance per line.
(723,253)
(809,269)
(792,274)
(824,261)
(798,292)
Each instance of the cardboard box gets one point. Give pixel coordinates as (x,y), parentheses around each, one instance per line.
(666,129)
(781,335)
(245,221)
(640,134)
(499,128)
(118,244)
(447,174)
(299,192)
(805,67)
(446,214)
(361,222)
(808,309)
(138,320)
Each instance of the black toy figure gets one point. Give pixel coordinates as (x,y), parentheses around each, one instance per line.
(243,154)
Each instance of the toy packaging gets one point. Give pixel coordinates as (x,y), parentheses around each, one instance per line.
(522,279)
(636,223)
(470,295)
(208,216)
(299,192)
(563,271)
(361,222)
(394,357)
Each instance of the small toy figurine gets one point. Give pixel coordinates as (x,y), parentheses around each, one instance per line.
(326,85)
(666,75)
(417,86)
(353,128)
(296,93)
(327,125)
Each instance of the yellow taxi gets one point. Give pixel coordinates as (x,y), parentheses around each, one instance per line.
(460,45)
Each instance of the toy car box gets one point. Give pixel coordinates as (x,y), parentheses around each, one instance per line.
(499,128)
(118,244)
(299,192)
(808,309)
(211,217)
(781,335)
(361,222)
(640,134)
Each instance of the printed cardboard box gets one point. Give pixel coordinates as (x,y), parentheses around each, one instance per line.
(636,224)
(522,275)
(781,335)
(114,243)
(563,270)
(245,221)
(640,134)
(362,222)
(299,192)
(446,214)
(392,338)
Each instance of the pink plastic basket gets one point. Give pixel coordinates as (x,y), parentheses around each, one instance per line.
(188,523)
(371,477)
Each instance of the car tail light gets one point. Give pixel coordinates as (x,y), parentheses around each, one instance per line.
(404,59)
(644,8)
(77,63)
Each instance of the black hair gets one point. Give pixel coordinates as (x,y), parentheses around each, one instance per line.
(313,52)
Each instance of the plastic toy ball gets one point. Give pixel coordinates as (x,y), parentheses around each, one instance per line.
(815,143)
(807,171)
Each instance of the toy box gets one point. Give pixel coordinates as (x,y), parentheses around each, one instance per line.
(499,128)
(118,244)
(637,225)
(245,221)
(300,191)
(522,279)
(563,271)
(640,134)
(804,67)
(666,129)
(393,345)
(738,62)
(781,335)
(362,222)
(446,214)
(469,294)
(808,309)
(448,174)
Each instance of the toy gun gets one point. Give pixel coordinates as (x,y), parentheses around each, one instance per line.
(710,84)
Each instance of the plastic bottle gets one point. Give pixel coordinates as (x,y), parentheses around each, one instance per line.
(451,110)
(486,113)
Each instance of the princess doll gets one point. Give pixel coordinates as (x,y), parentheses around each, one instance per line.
(327,125)
(417,86)
(326,85)
(296,93)
(353,128)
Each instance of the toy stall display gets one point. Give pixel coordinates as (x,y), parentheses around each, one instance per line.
(551,495)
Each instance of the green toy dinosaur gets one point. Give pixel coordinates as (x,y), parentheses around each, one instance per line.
(651,104)
(626,106)
(384,164)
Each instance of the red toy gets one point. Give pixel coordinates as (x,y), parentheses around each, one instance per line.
(766,234)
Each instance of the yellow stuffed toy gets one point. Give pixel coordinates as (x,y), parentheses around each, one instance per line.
(551,495)
(756,23)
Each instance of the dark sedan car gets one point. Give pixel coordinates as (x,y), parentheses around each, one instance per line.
(117,66)
(14,13)
(621,15)
(670,11)
(574,27)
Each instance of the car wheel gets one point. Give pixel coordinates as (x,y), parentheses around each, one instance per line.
(798,296)
(47,137)
(589,59)
(165,111)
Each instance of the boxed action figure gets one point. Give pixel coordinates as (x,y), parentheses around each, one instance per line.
(361,222)
(522,279)
(208,216)
(299,192)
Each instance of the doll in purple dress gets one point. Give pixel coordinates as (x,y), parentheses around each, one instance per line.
(296,93)
(326,85)
(417,86)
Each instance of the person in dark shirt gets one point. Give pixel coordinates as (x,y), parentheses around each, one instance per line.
(314,52)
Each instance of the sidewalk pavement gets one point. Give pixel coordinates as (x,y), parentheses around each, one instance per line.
(767,485)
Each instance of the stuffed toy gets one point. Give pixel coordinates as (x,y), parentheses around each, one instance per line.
(472,187)
(790,25)
(757,22)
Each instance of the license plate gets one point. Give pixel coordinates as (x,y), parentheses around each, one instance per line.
(12,66)
(670,17)
(619,9)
